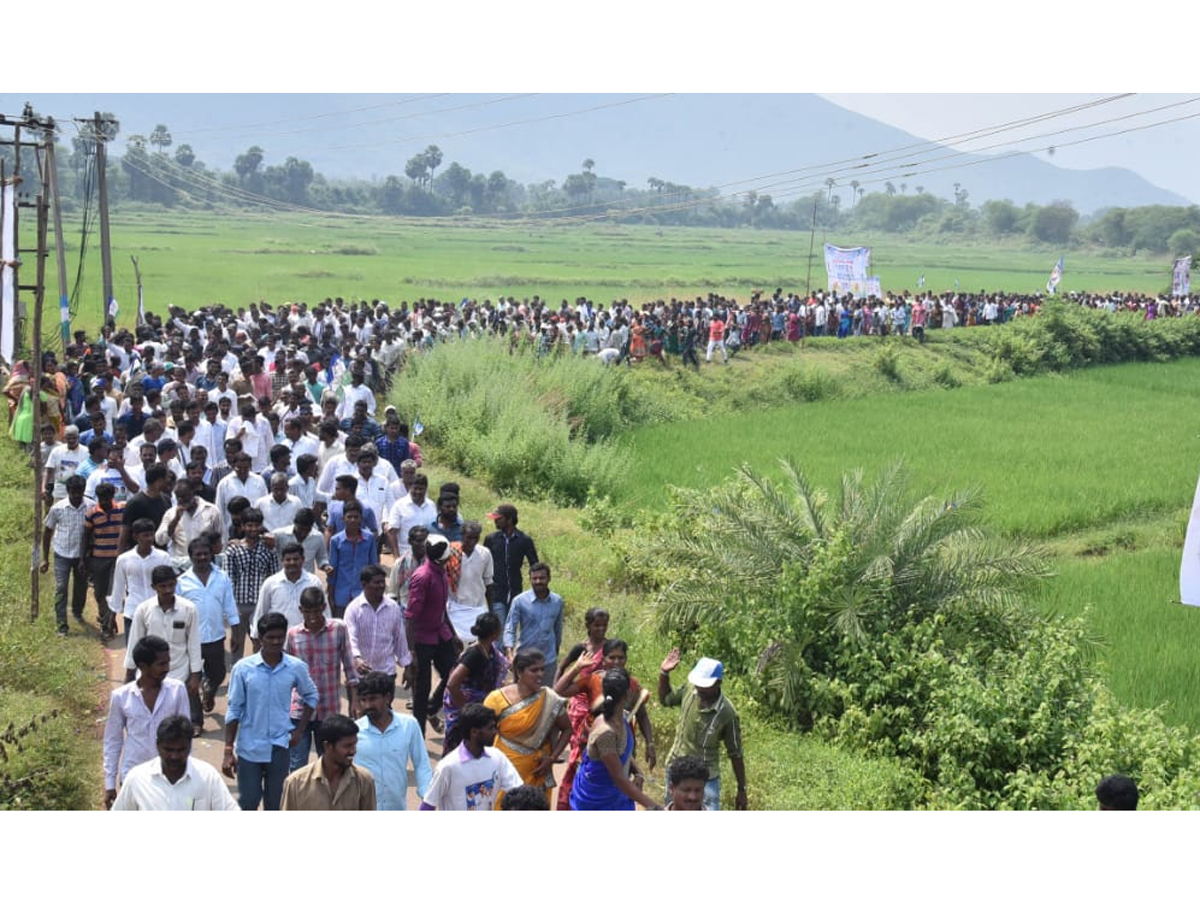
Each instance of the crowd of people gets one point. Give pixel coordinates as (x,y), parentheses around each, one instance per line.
(252,519)
(245,510)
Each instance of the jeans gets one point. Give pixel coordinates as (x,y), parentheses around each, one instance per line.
(712,795)
(429,656)
(262,781)
(500,608)
(66,568)
(298,755)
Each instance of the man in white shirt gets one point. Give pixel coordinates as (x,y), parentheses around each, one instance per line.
(173,619)
(241,482)
(173,780)
(254,432)
(303,485)
(415,509)
(281,592)
(191,517)
(474,582)
(136,709)
(279,507)
(131,575)
(355,391)
(63,462)
(374,490)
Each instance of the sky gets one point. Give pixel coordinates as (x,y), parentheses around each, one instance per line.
(1162,153)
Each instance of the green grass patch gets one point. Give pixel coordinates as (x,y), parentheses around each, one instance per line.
(1052,455)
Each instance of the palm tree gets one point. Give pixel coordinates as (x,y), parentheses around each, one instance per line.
(854,191)
(829,183)
(798,573)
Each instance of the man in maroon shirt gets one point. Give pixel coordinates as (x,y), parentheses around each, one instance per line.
(427,626)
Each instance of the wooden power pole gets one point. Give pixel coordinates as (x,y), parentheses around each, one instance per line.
(101,137)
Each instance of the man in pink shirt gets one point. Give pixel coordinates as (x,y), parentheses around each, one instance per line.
(430,635)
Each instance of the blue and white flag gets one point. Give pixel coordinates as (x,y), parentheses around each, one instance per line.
(1055,277)
(1181,283)
(921,280)
(417,428)
(113,308)
(64,313)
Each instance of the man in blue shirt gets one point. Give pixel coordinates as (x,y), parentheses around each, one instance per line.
(259,728)
(212,592)
(388,743)
(535,621)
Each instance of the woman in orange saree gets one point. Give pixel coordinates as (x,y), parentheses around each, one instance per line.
(532,727)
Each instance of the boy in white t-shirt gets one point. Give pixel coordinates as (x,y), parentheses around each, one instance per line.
(471,777)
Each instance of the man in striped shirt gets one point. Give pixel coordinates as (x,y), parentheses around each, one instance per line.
(101,535)
(324,644)
(376,626)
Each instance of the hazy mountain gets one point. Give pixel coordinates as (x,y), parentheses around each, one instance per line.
(739,141)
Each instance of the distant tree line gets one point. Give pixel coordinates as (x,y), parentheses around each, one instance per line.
(147,170)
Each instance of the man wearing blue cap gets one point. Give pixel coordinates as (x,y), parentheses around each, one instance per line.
(707,719)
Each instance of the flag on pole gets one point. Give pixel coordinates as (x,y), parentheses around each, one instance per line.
(1055,277)
(956,284)
(113,308)
(64,312)
(921,280)
(417,426)
(1181,284)
(1189,568)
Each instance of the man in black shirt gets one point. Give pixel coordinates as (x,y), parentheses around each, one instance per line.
(151,503)
(509,547)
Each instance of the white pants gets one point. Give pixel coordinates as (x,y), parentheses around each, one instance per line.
(716,345)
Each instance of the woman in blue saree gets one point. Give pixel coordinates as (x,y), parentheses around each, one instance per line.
(604,778)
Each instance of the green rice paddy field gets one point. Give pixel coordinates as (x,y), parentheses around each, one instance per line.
(195,258)
(1099,465)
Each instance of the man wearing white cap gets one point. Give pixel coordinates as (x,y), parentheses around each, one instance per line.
(707,719)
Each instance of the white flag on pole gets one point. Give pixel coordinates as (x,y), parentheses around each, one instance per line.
(1189,568)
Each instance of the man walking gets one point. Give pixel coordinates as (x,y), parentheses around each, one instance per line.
(173,780)
(212,592)
(535,621)
(331,783)
(136,709)
(430,637)
(324,644)
(706,720)
(64,527)
(510,548)
(259,728)
(176,621)
(389,743)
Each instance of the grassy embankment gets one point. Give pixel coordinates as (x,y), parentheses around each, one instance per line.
(50,688)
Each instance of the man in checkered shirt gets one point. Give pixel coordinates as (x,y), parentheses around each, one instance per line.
(324,644)
(248,563)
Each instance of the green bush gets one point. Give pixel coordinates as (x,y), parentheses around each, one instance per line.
(543,427)
(944,376)
(887,363)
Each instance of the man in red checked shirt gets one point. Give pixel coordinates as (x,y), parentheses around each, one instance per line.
(427,626)
(325,645)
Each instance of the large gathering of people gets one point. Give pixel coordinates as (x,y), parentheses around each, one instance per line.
(252,516)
